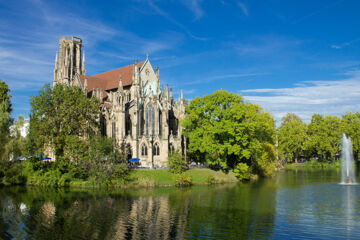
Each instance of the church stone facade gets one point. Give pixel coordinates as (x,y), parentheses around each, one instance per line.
(141,117)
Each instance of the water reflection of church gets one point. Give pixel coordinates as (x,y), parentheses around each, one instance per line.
(136,111)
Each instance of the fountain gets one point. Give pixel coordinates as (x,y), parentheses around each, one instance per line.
(347,162)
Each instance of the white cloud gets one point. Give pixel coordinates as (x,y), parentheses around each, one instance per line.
(324,97)
(244,8)
(194,6)
(189,91)
(345,44)
(27,59)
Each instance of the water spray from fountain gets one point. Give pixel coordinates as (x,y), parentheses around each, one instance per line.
(347,162)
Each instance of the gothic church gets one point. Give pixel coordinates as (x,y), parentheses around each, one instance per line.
(136,111)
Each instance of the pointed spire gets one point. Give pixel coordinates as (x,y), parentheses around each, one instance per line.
(83,69)
(56,69)
(158,76)
(147,56)
(182,95)
(163,92)
(56,61)
(120,87)
(136,72)
(171,94)
(167,91)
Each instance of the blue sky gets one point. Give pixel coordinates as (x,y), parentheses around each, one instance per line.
(288,56)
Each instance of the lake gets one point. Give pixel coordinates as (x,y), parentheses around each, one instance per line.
(293,205)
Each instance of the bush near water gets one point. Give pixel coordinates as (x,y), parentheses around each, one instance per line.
(225,132)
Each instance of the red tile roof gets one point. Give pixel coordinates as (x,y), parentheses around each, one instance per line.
(94,83)
(110,79)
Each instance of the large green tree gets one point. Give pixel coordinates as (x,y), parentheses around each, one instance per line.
(17,141)
(351,127)
(61,119)
(323,137)
(5,120)
(292,133)
(225,130)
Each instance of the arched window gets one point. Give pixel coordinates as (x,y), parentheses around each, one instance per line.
(156,149)
(142,122)
(171,148)
(150,119)
(160,124)
(128,125)
(173,123)
(143,150)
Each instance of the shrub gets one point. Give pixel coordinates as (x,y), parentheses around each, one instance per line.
(64,180)
(242,171)
(50,178)
(210,180)
(100,174)
(80,172)
(14,175)
(183,180)
(121,172)
(176,163)
(36,163)
(64,165)
(265,160)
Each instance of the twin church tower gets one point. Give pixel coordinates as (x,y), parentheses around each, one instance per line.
(142,117)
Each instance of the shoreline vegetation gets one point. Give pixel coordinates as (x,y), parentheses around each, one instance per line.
(236,139)
(140,178)
(314,164)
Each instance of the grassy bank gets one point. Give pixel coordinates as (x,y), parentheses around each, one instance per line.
(313,164)
(36,173)
(165,178)
(161,177)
